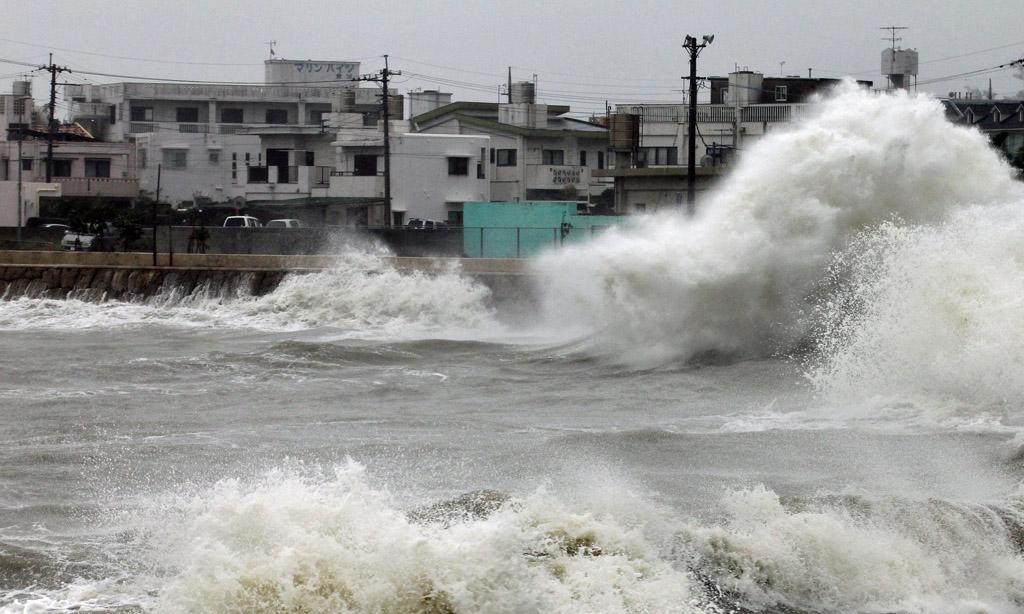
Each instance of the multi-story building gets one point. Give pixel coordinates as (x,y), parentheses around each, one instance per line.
(650,139)
(202,135)
(536,152)
(431,175)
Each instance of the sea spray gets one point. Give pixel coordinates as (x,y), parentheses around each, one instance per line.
(936,311)
(328,539)
(737,279)
(293,542)
(363,294)
(854,553)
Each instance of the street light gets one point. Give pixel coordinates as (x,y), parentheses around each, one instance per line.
(692,48)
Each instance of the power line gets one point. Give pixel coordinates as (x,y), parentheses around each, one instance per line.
(150,60)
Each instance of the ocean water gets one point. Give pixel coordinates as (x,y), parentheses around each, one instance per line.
(805,399)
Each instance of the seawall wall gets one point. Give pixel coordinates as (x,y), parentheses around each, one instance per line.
(133,276)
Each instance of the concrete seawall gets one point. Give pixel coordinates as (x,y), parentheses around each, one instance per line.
(132,275)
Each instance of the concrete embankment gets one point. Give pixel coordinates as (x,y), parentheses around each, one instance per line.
(130,276)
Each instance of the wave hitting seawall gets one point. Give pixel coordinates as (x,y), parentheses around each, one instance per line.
(746,277)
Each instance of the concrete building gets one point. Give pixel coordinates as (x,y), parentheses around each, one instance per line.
(432,175)
(1001,120)
(535,152)
(207,133)
(649,140)
(16,108)
(82,168)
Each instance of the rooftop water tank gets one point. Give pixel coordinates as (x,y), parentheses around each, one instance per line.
(524,92)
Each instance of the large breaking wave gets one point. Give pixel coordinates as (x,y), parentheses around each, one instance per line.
(743,278)
(295,540)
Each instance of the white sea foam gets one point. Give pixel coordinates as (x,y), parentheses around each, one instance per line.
(936,311)
(294,543)
(739,278)
(855,554)
(362,295)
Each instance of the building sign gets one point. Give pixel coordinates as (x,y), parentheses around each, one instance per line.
(566,175)
(314,74)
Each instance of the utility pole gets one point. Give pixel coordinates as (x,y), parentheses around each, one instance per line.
(693,49)
(51,131)
(159,167)
(508,88)
(382,79)
(21,136)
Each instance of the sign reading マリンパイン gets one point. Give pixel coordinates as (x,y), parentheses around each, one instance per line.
(327,74)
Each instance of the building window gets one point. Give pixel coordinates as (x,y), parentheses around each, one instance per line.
(600,159)
(62,168)
(658,156)
(230,116)
(553,157)
(187,114)
(492,155)
(214,157)
(480,172)
(141,114)
(780,93)
(95,167)
(26,164)
(583,158)
(234,156)
(113,114)
(458,166)
(176,158)
(507,157)
(364,165)
(247,157)
(143,157)
(277,116)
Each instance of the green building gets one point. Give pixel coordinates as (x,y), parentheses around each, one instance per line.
(524,229)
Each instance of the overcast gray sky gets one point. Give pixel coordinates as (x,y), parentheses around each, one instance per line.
(582,51)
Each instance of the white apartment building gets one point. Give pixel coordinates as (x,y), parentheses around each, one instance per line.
(535,152)
(431,175)
(202,135)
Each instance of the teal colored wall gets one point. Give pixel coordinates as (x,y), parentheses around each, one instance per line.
(523,229)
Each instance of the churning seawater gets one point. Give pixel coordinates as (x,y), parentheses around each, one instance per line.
(805,399)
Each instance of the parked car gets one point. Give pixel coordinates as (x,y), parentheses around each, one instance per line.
(61,226)
(418,224)
(285,223)
(241,221)
(77,241)
(90,241)
(45,222)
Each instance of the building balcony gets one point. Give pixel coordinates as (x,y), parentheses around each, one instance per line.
(556,177)
(344,183)
(98,186)
(206,128)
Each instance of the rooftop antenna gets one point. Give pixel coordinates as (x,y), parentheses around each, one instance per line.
(271,44)
(782,72)
(893,39)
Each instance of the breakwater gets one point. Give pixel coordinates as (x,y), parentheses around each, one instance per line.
(134,276)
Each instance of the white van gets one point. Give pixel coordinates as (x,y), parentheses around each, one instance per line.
(241,221)
(285,223)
